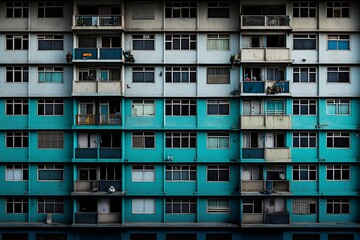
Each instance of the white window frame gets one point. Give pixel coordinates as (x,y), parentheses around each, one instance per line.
(189,169)
(144,38)
(23,38)
(333,170)
(308,136)
(336,135)
(251,202)
(306,38)
(53,39)
(219,104)
(218,137)
(306,72)
(24,136)
(171,106)
(53,202)
(310,6)
(50,140)
(143,108)
(191,40)
(297,169)
(338,103)
(218,5)
(143,173)
(185,139)
(143,136)
(218,169)
(17,73)
(13,6)
(181,202)
(218,75)
(147,206)
(184,74)
(146,72)
(48,72)
(176,9)
(337,201)
(299,103)
(218,209)
(333,8)
(338,71)
(50,167)
(16,201)
(219,42)
(11,105)
(16,172)
(44,5)
(43,102)
(303,206)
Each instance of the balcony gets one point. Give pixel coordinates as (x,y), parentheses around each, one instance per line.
(97,54)
(265,122)
(253,153)
(262,186)
(92,186)
(81,88)
(262,22)
(97,22)
(264,87)
(97,218)
(98,119)
(278,154)
(267,218)
(98,153)
(256,55)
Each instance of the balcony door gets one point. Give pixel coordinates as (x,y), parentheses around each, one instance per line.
(252,107)
(86,108)
(87,140)
(251,173)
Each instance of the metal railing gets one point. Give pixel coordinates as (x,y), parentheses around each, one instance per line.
(265,21)
(98,119)
(90,20)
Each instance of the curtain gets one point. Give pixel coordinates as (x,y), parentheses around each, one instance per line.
(246,140)
(212,142)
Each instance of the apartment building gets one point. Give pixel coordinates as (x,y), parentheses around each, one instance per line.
(174,120)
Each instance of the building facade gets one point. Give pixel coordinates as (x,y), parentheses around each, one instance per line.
(174,120)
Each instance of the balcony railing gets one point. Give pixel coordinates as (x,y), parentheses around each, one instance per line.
(96,87)
(265,87)
(281,154)
(97,185)
(267,218)
(97,218)
(252,218)
(252,186)
(98,21)
(273,54)
(97,54)
(253,153)
(280,121)
(272,21)
(268,186)
(98,153)
(98,119)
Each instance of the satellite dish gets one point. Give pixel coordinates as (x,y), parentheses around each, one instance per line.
(282,176)
(111,189)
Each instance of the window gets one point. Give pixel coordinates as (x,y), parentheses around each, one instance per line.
(218,107)
(50,42)
(87,172)
(110,140)
(181,140)
(304,75)
(337,206)
(338,74)
(17,42)
(218,10)
(142,236)
(111,41)
(304,140)
(180,173)
(337,172)
(218,140)
(306,236)
(143,75)
(17,74)
(180,10)
(17,107)
(143,140)
(180,74)
(218,173)
(337,140)
(338,42)
(143,206)
(275,172)
(275,107)
(143,173)
(252,107)
(304,206)
(180,205)
(143,42)
(338,10)
(252,140)
(143,108)
(217,236)
(304,172)
(17,9)
(110,172)
(218,42)
(218,75)
(180,42)
(50,9)
(16,205)
(17,172)
(304,9)
(180,107)
(181,236)
(337,107)
(50,139)
(218,206)
(304,107)
(110,74)
(252,206)
(50,74)
(50,172)
(17,139)
(14,236)
(304,42)
(341,236)
(50,107)
(50,205)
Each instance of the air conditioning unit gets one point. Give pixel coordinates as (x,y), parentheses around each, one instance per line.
(49,218)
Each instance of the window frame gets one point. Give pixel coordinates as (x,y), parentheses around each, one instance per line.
(16,201)
(309,137)
(185,42)
(143,104)
(311,172)
(146,42)
(218,209)
(46,9)
(180,106)
(341,202)
(213,9)
(12,73)
(180,9)
(180,201)
(191,171)
(53,202)
(144,135)
(24,138)
(304,206)
(143,170)
(186,140)
(304,39)
(218,136)
(332,136)
(41,103)
(219,104)
(180,74)
(308,103)
(23,168)
(299,73)
(14,39)
(252,202)
(310,8)
(50,73)
(23,9)
(53,40)
(144,202)
(50,168)
(331,9)
(342,75)
(143,75)
(50,138)
(337,39)
(12,107)
(216,39)
(338,172)
(218,75)
(338,103)
(219,168)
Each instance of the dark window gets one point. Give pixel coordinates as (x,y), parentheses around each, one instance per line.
(180,107)
(304,107)
(180,10)
(180,74)
(275,41)
(110,140)
(50,107)
(17,139)
(306,236)
(338,140)
(17,42)
(218,75)
(304,42)
(218,236)
(143,42)
(50,9)
(50,42)
(304,172)
(17,74)
(180,140)
(218,107)
(50,172)
(181,236)
(17,107)
(337,206)
(17,10)
(304,9)
(180,173)
(341,236)
(304,74)
(338,74)
(14,236)
(304,140)
(218,173)
(338,172)
(143,74)
(143,140)
(50,205)
(338,9)
(180,205)
(218,10)
(143,236)
(180,42)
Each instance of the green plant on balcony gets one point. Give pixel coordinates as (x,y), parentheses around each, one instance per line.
(277,87)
